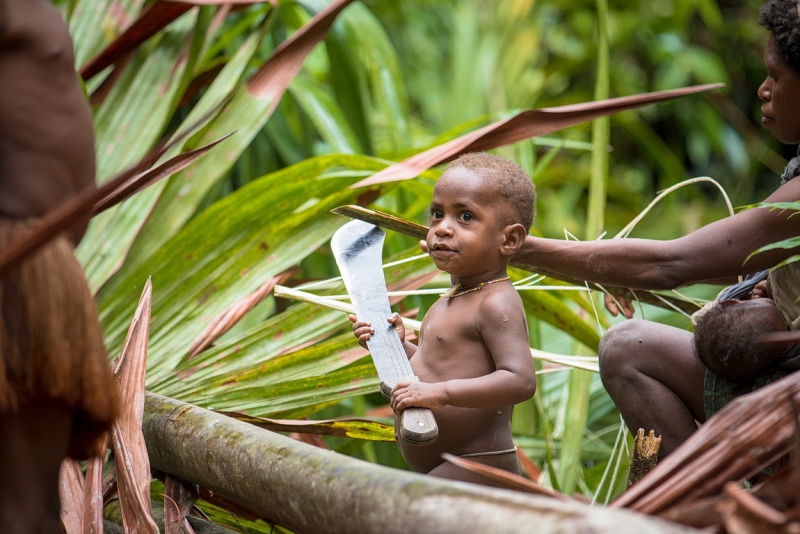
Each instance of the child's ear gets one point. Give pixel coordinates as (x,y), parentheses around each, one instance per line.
(513,237)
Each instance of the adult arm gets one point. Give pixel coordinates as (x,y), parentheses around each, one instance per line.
(715,252)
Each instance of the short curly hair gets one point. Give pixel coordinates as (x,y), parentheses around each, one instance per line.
(726,342)
(782,19)
(512,182)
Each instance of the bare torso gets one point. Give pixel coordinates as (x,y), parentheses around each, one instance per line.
(452,347)
(46,132)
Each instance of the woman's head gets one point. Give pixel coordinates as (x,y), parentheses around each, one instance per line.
(782,19)
(781,108)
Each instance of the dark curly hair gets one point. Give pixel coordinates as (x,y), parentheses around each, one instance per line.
(782,19)
(512,182)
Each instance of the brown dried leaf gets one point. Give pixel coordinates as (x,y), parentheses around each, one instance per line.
(525,125)
(354,428)
(272,79)
(93,494)
(503,478)
(74,208)
(151,21)
(133,464)
(70,491)
(747,435)
(225,320)
(142,181)
(180,496)
(529,467)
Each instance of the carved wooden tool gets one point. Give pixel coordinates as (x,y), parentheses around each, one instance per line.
(357,247)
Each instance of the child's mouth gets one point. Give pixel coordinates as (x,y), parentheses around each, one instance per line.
(441,250)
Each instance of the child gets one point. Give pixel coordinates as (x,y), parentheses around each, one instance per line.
(728,335)
(473,359)
(57,392)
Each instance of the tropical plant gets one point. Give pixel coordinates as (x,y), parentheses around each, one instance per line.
(317,97)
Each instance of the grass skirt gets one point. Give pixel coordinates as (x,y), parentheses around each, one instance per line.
(51,342)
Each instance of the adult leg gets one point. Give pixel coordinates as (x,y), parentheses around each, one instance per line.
(654,378)
(33,442)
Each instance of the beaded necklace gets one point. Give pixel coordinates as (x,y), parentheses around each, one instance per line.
(458,290)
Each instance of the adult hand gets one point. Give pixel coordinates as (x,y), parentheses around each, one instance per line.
(615,305)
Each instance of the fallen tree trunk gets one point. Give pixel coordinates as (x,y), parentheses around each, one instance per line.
(312,490)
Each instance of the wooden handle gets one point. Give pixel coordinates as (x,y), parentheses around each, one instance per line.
(417,426)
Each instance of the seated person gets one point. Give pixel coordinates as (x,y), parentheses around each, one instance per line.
(473,359)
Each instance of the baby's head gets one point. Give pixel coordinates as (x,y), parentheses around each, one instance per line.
(481,211)
(726,340)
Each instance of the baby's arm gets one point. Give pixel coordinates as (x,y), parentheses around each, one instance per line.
(363,330)
(503,329)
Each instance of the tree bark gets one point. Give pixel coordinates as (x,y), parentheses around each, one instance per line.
(312,490)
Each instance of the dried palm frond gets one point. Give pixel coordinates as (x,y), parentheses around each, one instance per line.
(748,435)
(133,464)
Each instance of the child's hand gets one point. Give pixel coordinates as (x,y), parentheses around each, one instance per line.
(361,329)
(762,290)
(418,394)
(397,321)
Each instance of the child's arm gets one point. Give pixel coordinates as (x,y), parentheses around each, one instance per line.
(503,329)
(363,330)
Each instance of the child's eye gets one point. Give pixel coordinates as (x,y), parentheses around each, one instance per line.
(466,216)
(436,214)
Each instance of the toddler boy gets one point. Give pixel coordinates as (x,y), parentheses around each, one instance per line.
(473,358)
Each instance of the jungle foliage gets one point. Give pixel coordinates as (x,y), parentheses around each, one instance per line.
(388,80)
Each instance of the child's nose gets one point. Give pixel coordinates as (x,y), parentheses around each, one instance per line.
(445,227)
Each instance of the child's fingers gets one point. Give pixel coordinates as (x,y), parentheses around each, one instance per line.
(356,322)
(399,394)
(362,330)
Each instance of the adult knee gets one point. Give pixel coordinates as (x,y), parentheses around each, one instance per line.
(620,349)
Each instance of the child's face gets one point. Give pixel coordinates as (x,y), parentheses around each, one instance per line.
(466,228)
(763,307)
(779,91)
